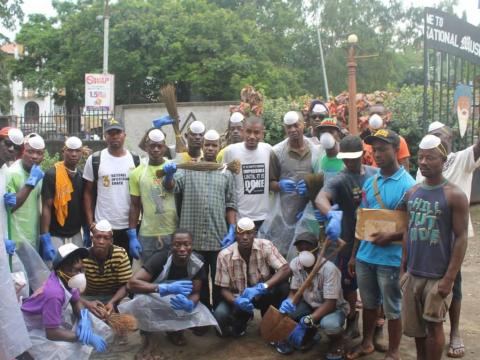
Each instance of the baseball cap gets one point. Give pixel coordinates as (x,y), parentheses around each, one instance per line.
(318,107)
(351,147)
(386,135)
(307,237)
(328,122)
(67,251)
(112,124)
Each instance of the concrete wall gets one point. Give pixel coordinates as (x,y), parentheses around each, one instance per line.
(138,118)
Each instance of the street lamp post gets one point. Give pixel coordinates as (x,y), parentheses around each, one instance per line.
(106,25)
(352,85)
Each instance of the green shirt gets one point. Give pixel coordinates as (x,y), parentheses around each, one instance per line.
(330,166)
(159,212)
(26,219)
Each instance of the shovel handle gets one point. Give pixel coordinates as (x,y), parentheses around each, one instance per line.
(9,230)
(318,265)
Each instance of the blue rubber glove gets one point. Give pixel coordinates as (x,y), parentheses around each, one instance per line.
(287,306)
(254,291)
(319,216)
(181,302)
(36,174)
(10,199)
(49,251)
(183,287)
(244,304)
(169,169)
(84,328)
(296,336)
(301,188)
(162,121)
(98,343)
(229,239)
(287,185)
(134,246)
(87,239)
(10,246)
(334,227)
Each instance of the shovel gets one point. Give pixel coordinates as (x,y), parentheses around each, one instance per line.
(276,326)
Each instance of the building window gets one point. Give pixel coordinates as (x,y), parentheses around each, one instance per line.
(31,112)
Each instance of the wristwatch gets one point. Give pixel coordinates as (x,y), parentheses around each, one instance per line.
(309,322)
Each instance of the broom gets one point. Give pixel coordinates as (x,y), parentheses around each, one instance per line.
(233,166)
(168,97)
(121,324)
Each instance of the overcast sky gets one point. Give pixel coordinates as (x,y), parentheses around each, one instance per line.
(470,6)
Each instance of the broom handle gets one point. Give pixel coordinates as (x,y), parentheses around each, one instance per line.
(318,265)
(9,231)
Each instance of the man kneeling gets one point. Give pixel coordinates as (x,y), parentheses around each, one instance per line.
(322,306)
(171,284)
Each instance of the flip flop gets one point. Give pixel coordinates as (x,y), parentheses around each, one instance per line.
(358,352)
(456,349)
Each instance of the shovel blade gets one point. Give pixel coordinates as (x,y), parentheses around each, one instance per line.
(276,326)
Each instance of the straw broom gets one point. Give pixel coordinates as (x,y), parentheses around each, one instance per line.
(168,97)
(233,166)
(121,324)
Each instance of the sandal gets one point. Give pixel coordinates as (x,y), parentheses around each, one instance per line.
(358,352)
(456,348)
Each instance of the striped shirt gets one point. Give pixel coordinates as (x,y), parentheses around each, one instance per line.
(264,260)
(107,277)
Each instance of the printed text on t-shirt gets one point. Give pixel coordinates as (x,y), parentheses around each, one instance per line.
(253,178)
(119,179)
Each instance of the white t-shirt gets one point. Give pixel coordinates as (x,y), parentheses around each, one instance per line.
(458,169)
(113,195)
(252,182)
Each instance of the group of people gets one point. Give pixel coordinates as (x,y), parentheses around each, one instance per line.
(199,239)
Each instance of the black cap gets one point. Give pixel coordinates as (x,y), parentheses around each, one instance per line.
(112,124)
(307,237)
(386,135)
(351,147)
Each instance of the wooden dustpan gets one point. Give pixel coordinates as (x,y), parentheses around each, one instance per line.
(276,326)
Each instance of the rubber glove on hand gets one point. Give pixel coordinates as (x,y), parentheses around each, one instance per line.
(10,246)
(287,185)
(134,246)
(334,226)
(183,287)
(301,188)
(98,343)
(296,336)
(229,239)
(36,174)
(10,199)
(84,327)
(162,121)
(244,304)
(181,302)
(87,239)
(287,306)
(254,291)
(48,251)
(169,169)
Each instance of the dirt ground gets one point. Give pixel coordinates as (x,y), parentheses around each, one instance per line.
(251,345)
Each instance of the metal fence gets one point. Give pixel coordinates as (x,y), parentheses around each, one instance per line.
(87,126)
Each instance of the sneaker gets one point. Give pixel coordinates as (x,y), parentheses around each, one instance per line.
(284,347)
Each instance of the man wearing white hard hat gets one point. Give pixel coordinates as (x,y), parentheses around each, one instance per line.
(377,116)
(290,161)
(251,183)
(251,273)
(208,198)
(12,139)
(24,185)
(107,269)
(148,194)
(106,194)
(194,137)
(234,132)
(436,241)
(62,205)
(458,169)
(13,332)
(49,317)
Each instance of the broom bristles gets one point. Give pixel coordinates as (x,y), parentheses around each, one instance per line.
(169,98)
(233,166)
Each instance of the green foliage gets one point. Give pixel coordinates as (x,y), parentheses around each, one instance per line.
(49,160)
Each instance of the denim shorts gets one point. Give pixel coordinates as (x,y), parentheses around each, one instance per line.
(377,284)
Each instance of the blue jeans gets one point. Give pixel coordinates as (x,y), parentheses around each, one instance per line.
(331,324)
(377,283)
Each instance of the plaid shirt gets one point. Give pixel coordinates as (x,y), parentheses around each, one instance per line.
(206,195)
(232,269)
